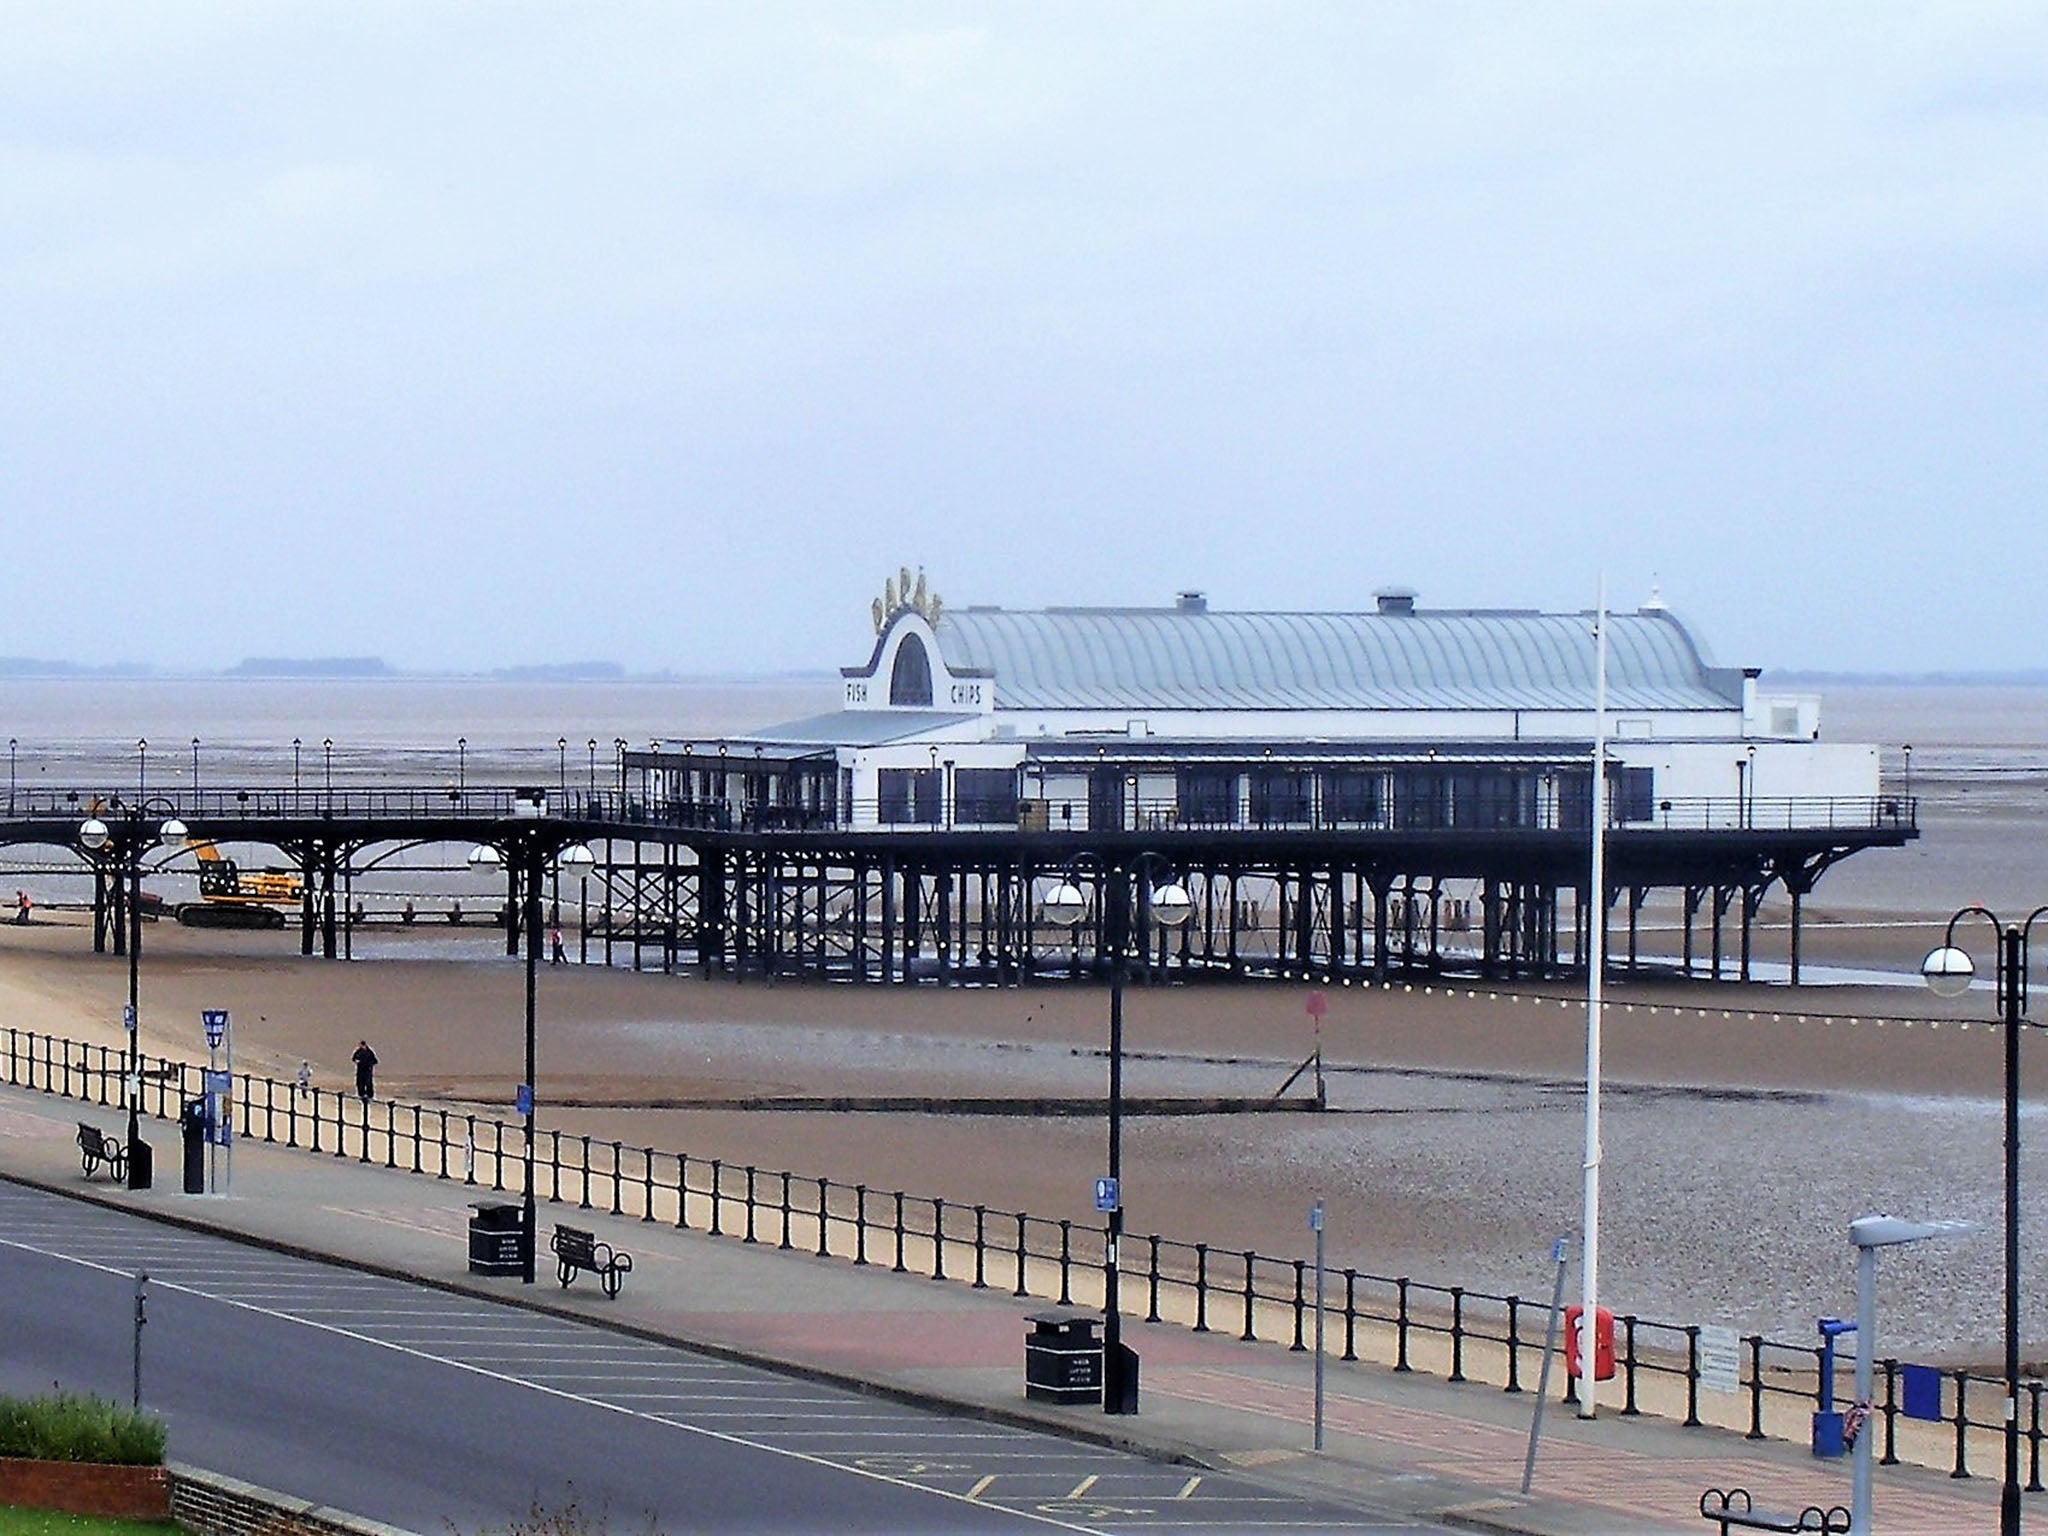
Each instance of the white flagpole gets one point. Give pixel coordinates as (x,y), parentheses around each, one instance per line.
(1595,971)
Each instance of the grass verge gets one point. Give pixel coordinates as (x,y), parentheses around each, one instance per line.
(65,1426)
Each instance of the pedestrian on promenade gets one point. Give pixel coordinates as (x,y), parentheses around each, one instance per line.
(305,1075)
(555,955)
(366,1069)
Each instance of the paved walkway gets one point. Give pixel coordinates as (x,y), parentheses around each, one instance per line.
(1443,1452)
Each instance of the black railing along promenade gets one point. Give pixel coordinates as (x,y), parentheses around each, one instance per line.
(213,808)
(1404,1323)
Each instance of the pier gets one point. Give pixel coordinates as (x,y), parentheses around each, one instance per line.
(742,886)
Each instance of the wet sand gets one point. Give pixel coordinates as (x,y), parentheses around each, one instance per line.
(1744,1126)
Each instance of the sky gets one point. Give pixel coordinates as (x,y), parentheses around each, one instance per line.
(474,336)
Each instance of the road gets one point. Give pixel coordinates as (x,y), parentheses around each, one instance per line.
(439,1412)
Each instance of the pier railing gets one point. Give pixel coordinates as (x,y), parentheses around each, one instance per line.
(1399,1322)
(614,809)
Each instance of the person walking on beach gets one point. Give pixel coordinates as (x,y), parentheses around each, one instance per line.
(555,955)
(366,1070)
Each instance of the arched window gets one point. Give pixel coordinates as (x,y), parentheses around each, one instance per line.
(911,681)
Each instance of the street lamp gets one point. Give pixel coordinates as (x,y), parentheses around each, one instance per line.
(295,764)
(562,766)
(461,763)
(1168,906)
(1868,1234)
(195,768)
(12,745)
(1948,972)
(141,767)
(327,747)
(523,858)
(94,836)
(593,767)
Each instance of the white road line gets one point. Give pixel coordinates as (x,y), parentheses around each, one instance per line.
(1187,1488)
(629,1377)
(1085,1484)
(981,1487)
(533,1386)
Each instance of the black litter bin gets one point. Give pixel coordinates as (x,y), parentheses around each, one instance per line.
(497,1238)
(1062,1358)
(192,1122)
(141,1165)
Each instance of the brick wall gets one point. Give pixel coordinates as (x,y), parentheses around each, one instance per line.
(213,1505)
(86,1488)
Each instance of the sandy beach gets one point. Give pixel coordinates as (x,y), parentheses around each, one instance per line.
(1744,1126)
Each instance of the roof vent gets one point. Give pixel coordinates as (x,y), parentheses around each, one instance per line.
(1191,602)
(1396,600)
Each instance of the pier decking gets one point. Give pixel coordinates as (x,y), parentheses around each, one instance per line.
(782,891)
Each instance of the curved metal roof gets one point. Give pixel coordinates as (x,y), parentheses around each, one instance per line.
(1170,658)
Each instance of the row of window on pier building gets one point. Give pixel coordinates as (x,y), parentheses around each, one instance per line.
(1067,797)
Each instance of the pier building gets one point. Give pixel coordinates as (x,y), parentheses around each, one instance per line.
(1351,785)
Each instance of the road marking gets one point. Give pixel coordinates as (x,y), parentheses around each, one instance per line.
(1187,1489)
(981,1487)
(1084,1485)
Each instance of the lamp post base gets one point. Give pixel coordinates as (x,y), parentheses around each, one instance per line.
(1119,1378)
(141,1164)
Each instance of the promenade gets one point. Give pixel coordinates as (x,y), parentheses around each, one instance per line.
(1443,1452)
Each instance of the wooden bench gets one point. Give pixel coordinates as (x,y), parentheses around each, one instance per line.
(95,1147)
(576,1249)
(1735,1510)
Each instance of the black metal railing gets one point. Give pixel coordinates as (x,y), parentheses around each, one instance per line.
(218,809)
(1404,1323)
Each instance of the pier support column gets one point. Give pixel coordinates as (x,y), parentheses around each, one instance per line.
(328,947)
(1382,887)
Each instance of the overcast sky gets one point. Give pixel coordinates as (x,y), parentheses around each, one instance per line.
(472,335)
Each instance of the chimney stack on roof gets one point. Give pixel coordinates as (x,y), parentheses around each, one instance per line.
(1396,600)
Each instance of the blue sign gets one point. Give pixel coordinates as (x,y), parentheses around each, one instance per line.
(1315,1217)
(1106,1195)
(522,1099)
(216,1022)
(1922,1396)
(128,1017)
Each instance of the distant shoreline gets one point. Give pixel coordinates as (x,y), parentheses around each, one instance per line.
(571,674)
(374,670)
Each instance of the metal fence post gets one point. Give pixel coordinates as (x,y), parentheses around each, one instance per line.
(1756,1386)
(1457,1334)
(1692,1376)
(1401,1324)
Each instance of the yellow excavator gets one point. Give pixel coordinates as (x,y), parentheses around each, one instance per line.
(233,897)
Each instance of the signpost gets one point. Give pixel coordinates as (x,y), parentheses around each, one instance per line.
(1316,1006)
(220,1098)
(1315,1225)
(1559,1255)
(1720,1359)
